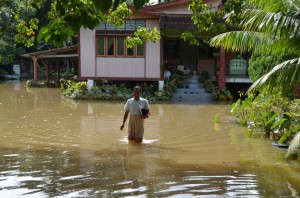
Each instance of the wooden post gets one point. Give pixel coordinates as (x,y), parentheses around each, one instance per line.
(222,78)
(58,70)
(47,71)
(35,76)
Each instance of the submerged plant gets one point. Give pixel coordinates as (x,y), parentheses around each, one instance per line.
(217,118)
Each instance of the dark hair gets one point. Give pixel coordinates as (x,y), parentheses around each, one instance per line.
(138,87)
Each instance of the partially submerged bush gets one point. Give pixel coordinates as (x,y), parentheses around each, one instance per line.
(273,115)
(106,91)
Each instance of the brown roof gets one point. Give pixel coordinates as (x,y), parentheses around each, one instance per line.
(64,52)
(156,9)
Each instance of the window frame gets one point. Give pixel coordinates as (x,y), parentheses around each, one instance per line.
(115,53)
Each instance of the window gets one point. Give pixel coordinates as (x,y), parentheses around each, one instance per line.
(130,51)
(100,45)
(116,46)
(110,46)
(129,24)
(140,50)
(120,46)
(171,48)
(111,39)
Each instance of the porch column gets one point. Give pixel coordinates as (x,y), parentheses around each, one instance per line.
(47,70)
(35,76)
(222,78)
(58,70)
(162,56)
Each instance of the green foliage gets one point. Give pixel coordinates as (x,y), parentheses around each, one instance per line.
(11,12)
(217,93)
(103,6)
(72,15)
(26,32)
(141,35)
(295,145)
(217,118)
(105,91)
(116,17)
(234,7)
(259,65)
(189,37)
(283,76)
(73,89)
(204,75)
(202,16)
(268,28)
(271,113)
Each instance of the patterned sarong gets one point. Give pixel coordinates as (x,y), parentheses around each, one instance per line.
(136,128)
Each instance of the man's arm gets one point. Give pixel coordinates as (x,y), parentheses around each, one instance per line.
(146,116)
(124,120)
(148,107)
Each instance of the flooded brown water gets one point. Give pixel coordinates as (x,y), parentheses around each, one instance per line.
(52,147)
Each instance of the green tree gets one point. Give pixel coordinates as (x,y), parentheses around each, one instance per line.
(208,19)
(72,15)
(268,27)
(11,13)
(261,64)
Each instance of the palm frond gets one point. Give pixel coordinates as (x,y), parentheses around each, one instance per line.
(274,23)
(247,41)
(294,145)
(284,75)
(275,5)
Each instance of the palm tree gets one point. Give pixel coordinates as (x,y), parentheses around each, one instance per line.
(268,27)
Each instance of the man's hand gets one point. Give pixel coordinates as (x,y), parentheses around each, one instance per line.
(146,116)
(122,127)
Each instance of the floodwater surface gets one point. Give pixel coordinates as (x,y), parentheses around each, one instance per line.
(53,147)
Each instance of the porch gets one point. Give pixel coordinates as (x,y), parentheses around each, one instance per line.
(196,59)
(216,61)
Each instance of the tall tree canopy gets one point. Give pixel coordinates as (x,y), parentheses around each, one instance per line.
(11,13)
(71,15)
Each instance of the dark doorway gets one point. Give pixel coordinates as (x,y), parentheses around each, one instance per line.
(188,55)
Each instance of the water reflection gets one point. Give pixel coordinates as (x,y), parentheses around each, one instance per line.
(51,147)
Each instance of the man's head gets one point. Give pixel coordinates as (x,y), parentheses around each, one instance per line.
(137,90)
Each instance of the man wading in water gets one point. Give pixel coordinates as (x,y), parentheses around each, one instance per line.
(138,108)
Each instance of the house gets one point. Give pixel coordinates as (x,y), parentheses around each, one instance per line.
(102,52)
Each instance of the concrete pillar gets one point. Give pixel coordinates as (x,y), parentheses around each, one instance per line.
(161,85)
(90,84)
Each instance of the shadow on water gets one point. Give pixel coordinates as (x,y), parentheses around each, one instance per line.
(52,147)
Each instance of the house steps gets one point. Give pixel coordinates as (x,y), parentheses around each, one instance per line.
(193,94)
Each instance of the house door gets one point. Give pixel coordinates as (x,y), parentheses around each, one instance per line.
(188,55)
